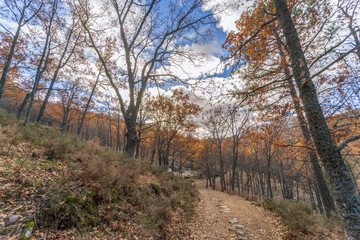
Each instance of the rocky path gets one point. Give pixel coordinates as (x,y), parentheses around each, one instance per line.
(221,216)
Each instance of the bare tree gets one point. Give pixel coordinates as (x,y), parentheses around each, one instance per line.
(47,20)
(214,119)
(66,50)
(236,122)
(148,34)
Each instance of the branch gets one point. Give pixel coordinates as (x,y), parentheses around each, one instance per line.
(254,35)
(7,30)
(329,65)
(346,142)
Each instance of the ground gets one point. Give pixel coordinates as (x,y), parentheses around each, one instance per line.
(222,216)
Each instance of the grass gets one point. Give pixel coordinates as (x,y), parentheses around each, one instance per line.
(299,217)
(96,188)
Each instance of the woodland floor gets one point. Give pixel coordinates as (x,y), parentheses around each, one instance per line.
(222,216)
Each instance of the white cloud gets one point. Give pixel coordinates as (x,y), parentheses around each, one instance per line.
(227,12)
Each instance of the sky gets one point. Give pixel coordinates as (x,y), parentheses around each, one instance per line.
(209,70)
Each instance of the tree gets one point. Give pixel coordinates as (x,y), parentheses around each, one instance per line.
(65,51)
(22,12)
(346,198)
(47,20)
(236,122)
(146,39)
(171,116)
(88,102)
(68,96)
(266,57)
(213,124)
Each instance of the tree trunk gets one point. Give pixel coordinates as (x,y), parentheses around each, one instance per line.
(42,64)
(46,99)
(234,166)
(269,179)
(221,167)
(317,172)
(10,56)
(132,138)
(23,105)
(345,195)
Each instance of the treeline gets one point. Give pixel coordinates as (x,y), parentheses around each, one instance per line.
(270,160)
(300,59)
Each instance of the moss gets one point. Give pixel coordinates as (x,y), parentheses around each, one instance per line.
(28,229)
(73,200)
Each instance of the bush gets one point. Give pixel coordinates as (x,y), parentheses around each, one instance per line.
(8,137)
(99,184)
(298,216)
(54,144)
(145,194)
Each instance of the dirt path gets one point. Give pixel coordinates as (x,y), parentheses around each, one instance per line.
(221,216)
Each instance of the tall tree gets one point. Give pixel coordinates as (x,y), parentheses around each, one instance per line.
(258,44)
(22,12)
(147,37)
(346,198)
(47,20)
(90,98)
(66,49)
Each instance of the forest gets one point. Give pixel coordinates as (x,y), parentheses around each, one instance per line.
(118,116)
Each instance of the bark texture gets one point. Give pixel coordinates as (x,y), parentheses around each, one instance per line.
(10,56)
(326,198)
(346,198)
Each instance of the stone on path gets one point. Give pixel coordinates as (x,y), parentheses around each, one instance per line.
(240,235)
(224,209)
(236,227)
(11,219)
(233,221)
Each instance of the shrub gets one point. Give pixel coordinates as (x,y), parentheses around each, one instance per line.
(298,216)
(102,185)
(55,145)
(8,137)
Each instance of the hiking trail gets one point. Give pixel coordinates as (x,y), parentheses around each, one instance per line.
(222,216)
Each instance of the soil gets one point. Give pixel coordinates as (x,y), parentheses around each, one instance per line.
(219,212)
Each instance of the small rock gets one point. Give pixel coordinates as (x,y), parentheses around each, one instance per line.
(233,221)
(232,228)
(53,169)
(11,219)
(238,226)
(240,234)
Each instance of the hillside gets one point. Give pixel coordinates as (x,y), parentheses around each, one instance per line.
(60,187)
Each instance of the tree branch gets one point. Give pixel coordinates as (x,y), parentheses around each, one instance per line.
(347,141)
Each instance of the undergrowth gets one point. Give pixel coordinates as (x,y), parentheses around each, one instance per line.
(299,217)
(99,188)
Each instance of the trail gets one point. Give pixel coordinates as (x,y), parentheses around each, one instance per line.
(223,216)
